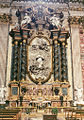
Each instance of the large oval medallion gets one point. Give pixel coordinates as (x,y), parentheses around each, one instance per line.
(39,59)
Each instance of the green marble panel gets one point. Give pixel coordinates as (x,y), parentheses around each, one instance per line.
(14,90)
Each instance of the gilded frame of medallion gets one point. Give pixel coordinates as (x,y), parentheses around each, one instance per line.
(49,76)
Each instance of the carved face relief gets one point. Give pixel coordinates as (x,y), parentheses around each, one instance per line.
(39,59)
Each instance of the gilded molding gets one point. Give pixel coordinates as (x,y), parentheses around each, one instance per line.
(76,20)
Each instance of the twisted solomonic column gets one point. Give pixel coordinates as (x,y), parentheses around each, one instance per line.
(56,61)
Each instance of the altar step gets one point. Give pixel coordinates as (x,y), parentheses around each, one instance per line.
(40,113)
(7,114)
(36,116)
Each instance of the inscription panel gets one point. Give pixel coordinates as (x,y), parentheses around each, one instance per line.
(49,117)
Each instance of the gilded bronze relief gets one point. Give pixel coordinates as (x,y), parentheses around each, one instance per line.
(39,59)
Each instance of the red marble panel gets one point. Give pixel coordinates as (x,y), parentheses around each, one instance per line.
(82,56)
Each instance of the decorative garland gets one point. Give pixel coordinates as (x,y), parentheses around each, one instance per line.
(54,1)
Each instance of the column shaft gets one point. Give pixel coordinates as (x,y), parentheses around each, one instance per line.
(56,61)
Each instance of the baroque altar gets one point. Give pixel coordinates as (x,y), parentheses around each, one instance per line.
(39,72)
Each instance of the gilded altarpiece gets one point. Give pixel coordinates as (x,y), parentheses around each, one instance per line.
(39,72)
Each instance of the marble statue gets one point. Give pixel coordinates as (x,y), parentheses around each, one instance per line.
(26,20)
(78,96)
(2,93)
(55,21)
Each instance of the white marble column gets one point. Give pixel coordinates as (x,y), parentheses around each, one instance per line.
(77,75)
(9,61)
(69,69)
